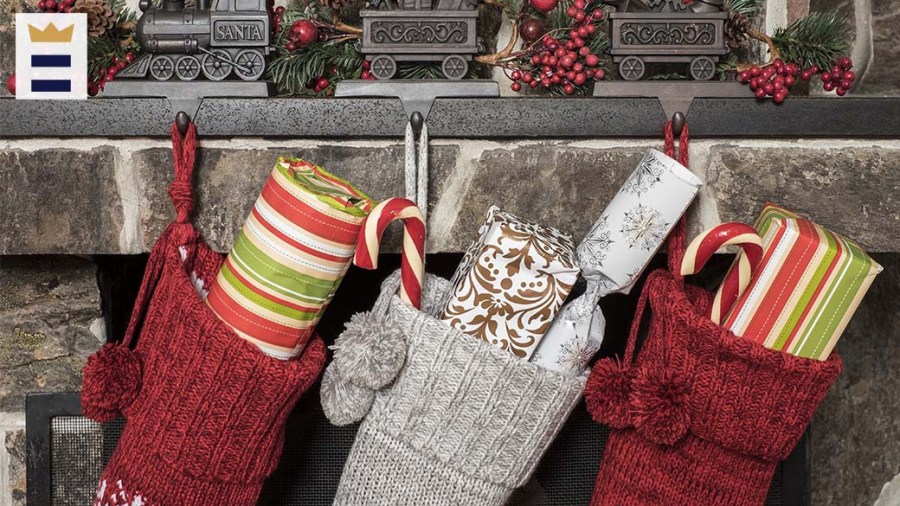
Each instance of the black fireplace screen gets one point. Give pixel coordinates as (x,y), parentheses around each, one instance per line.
(66,453)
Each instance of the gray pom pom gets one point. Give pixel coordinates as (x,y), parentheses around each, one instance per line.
(342,401)
(371,351)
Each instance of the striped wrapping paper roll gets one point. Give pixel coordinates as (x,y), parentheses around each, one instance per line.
(290,257)
(808,285)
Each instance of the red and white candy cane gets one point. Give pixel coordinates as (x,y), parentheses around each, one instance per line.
(412,261)
(738,278)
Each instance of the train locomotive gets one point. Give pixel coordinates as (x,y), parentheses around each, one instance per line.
(217,38)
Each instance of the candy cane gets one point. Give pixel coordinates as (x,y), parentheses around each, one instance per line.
(412,264)
(736,281)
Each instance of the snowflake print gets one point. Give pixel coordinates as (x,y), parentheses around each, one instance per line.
(644,227)
(575,354)
(595,247)
(645,177)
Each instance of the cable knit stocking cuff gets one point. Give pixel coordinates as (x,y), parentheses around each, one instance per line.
(464,423)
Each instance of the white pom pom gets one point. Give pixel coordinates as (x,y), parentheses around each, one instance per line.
(371,351)
(342,401)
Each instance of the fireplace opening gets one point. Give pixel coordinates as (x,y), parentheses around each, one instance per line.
(66,452)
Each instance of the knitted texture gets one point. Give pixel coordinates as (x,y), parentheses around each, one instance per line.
(463,423)
(204,409)
(702,416)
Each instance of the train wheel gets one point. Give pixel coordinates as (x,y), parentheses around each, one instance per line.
(162,67)
(187,68)
(216,65)
(703,68)
(632,68)
(383,67)
(249,65)
(454,67)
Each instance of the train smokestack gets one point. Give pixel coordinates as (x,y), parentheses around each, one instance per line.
(173,5)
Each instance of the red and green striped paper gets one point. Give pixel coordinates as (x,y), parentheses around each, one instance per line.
(290,257)
(807,287)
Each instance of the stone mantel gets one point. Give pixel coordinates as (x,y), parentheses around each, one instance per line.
(90,177)
(486,118)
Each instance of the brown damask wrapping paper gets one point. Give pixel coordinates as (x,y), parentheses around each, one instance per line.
(511,283)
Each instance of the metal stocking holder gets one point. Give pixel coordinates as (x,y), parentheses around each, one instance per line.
(417,97)
(675,97)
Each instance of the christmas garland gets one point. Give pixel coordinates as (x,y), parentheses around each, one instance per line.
(556,47)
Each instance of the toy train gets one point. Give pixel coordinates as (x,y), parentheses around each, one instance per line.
(667,31)
(419,33)
(216,40)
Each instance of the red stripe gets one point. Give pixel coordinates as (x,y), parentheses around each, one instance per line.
(315,221)
(252,286)
(251,324)
(821,286)
(767,257)
(293,243)
(775,298)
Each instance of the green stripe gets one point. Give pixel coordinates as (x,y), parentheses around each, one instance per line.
(323,190)
(269,272)
(265,303)
(817,278)
(841,292)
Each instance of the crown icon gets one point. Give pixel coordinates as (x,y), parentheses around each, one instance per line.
(51,33)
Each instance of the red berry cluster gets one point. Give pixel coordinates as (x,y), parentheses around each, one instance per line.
(110,73)
(777,79)
(303,33)
(839,78)
(566,61)
(277,17)
(52,6)
(366,73)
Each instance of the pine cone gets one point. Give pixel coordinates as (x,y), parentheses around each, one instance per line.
(100,16)
(736,27)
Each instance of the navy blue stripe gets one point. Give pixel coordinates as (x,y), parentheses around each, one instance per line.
(51,85)
(51,60)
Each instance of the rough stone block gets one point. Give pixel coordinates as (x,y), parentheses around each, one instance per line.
(854,450)
(59,201)
(15,451)
(228,181)
(551,183)
(883,78)
(47,306)
(854,191)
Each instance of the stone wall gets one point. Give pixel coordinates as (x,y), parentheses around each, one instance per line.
(49,323)
(127,207)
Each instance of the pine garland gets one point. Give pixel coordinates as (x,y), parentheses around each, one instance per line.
(817,39)
(114,45)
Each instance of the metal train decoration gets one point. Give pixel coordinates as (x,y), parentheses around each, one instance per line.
(667,31)
(417,32)
(218,39)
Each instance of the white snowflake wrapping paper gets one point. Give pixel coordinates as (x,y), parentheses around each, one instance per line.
(615,252)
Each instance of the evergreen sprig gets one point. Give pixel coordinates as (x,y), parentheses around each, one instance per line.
(743,7)
(817,39)
(291,71)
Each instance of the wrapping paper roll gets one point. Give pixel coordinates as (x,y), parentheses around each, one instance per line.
(511,283)
(614,254)
(809,283)
(290,257)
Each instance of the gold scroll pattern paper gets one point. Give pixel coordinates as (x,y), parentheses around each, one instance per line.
(511,283)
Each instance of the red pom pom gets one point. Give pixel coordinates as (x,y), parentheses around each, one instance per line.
(659,405)
(608,391)
(112,381)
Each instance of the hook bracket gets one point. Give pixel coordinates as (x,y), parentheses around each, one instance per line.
(675,97)
(417,96)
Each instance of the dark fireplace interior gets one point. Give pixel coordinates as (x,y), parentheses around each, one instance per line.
(66,452)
